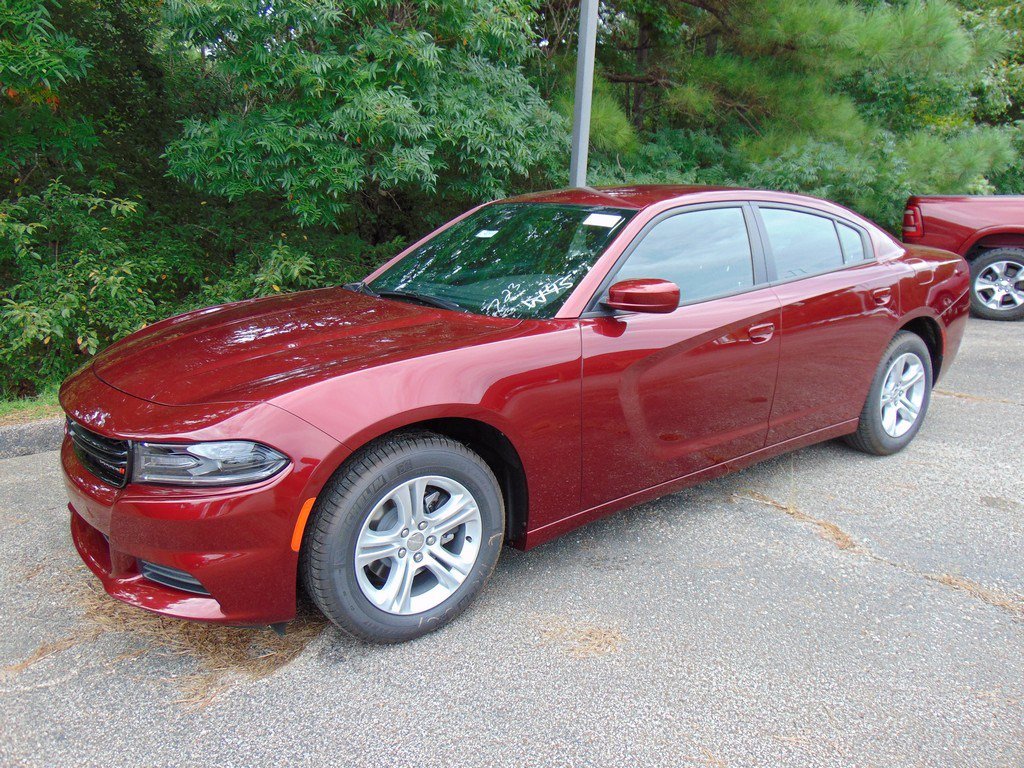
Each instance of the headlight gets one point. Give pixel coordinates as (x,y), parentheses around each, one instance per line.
(232,462)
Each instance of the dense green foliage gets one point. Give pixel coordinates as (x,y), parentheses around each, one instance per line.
(329,101)
(160,156)
(862,103)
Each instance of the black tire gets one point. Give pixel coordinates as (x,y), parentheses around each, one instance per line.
(327,556)
(871,436)
(978,268)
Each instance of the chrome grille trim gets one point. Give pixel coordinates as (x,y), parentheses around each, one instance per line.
(105,457)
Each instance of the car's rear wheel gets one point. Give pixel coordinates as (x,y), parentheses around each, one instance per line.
(898,399)
(997,284)
(403,538)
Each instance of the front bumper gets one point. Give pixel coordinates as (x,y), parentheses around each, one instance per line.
(236,542)
(236,545)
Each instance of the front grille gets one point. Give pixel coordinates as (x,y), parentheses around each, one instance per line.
(105,457)
(171,577)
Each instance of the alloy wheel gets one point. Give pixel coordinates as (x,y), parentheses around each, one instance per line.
(902,396)
(1000,285)
(418,545)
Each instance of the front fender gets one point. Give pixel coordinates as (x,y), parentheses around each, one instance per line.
(526,386)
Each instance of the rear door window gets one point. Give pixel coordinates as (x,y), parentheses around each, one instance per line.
(853,243)
(802,244)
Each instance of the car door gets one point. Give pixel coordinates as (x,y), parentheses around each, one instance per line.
(839,310)
(665,395)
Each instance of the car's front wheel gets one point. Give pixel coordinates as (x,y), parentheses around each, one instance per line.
(898,399)
(403,538)
(997,284)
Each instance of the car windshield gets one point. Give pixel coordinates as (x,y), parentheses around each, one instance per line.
(507,259)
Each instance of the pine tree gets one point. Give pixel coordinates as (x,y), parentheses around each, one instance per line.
(861,102)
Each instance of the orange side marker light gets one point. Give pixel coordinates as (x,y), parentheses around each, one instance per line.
(300,524)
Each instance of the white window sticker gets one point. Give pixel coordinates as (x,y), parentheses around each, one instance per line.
(487,233)
(606,220)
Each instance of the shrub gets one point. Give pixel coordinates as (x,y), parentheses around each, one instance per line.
(85,270)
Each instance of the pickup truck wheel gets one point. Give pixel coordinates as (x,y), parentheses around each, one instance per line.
(997,284)
(898,399)
(403,539)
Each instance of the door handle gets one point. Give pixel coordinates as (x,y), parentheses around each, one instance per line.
(761,333)
(882,296)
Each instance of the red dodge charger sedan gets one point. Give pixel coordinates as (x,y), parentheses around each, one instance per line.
(533,365)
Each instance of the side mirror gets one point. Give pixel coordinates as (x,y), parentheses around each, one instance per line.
(643,295)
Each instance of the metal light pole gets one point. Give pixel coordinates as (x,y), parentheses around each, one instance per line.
(584,91)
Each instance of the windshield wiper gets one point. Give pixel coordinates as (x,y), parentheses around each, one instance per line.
(360,287)
(422,298)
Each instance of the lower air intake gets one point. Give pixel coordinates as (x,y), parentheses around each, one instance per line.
(171,577)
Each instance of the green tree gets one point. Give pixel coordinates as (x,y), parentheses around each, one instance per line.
(1002,93)
(863,102)
(156,157)
(36,61)
(331,104)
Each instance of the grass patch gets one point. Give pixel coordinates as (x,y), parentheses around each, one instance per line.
(581,640)
(207,659)
(215,657)
(48,649)
(42,406)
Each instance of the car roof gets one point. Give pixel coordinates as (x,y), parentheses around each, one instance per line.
(637,196)
(640,196)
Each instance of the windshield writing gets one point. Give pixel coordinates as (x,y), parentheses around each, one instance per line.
(508,259)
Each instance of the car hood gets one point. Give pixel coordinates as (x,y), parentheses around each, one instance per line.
(255,350)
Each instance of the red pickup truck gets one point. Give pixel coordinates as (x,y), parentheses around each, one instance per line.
(989,233)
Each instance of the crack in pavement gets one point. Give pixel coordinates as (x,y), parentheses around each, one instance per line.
(974,398)
(826,529)
(1009,602)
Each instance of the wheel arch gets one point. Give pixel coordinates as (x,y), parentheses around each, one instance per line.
(994,237)
(483,438)
(495,448)
(930,332)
